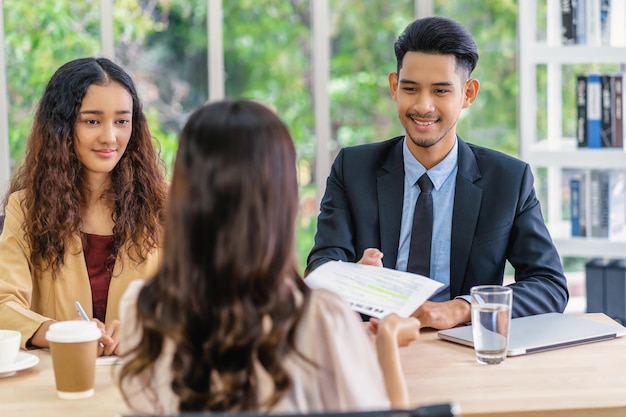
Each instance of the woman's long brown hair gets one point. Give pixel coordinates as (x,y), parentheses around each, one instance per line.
(229,263)
(52,175)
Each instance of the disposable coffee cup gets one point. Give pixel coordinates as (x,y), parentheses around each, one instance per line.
(9,347)
(74,347)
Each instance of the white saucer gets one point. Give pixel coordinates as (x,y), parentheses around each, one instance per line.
(23,361)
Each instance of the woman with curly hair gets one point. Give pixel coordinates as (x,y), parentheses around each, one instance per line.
(84,211)
(227,323)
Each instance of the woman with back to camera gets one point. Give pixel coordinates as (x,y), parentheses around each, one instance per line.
(227,323)
(84,211)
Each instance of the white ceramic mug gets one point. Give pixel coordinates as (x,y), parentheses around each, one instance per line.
(9,347)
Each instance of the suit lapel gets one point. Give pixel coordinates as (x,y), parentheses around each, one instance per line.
(467,201)
(390,191)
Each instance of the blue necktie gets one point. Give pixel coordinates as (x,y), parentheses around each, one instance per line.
(422,231)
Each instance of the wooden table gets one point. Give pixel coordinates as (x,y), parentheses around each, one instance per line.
(588,380)
(32,392)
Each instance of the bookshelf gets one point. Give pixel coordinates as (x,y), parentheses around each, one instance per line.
(555,152)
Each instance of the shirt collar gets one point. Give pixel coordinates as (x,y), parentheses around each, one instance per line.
(438,174)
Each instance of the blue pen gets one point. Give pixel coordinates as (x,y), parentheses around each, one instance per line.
(81,311)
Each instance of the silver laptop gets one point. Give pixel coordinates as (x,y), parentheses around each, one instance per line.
(543,332)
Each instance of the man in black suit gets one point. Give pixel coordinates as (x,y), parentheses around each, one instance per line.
(484,209)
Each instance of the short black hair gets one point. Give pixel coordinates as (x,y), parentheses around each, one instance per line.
(438,35)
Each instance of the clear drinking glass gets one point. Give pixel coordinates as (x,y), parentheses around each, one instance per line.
(491,318)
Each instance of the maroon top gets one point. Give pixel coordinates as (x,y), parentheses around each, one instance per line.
(99,259)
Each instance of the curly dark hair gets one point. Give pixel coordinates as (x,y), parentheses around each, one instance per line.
(52,176)
(227,293)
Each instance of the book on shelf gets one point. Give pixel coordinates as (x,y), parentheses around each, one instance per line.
(607,204)
(568,23)
(606,124)
(597,202)
(617,110)
(593,22)
(616,206)
(578,186)
(580,14)
(574,203)
(605,22)
(581,111)
(598,196)
(599,111)
(594,110)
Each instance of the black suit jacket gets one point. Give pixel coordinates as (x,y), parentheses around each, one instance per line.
(496,217)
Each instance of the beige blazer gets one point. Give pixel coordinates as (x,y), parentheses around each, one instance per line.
(29,296)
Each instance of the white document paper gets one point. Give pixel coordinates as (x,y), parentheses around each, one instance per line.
(374,290)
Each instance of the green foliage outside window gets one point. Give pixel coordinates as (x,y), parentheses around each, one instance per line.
(267,53)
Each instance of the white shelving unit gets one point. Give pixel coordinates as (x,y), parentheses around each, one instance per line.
(556,152)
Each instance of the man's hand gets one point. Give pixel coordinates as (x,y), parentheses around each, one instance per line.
(371,256)
(443,315)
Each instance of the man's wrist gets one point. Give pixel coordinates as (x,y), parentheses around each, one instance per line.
(464,310)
